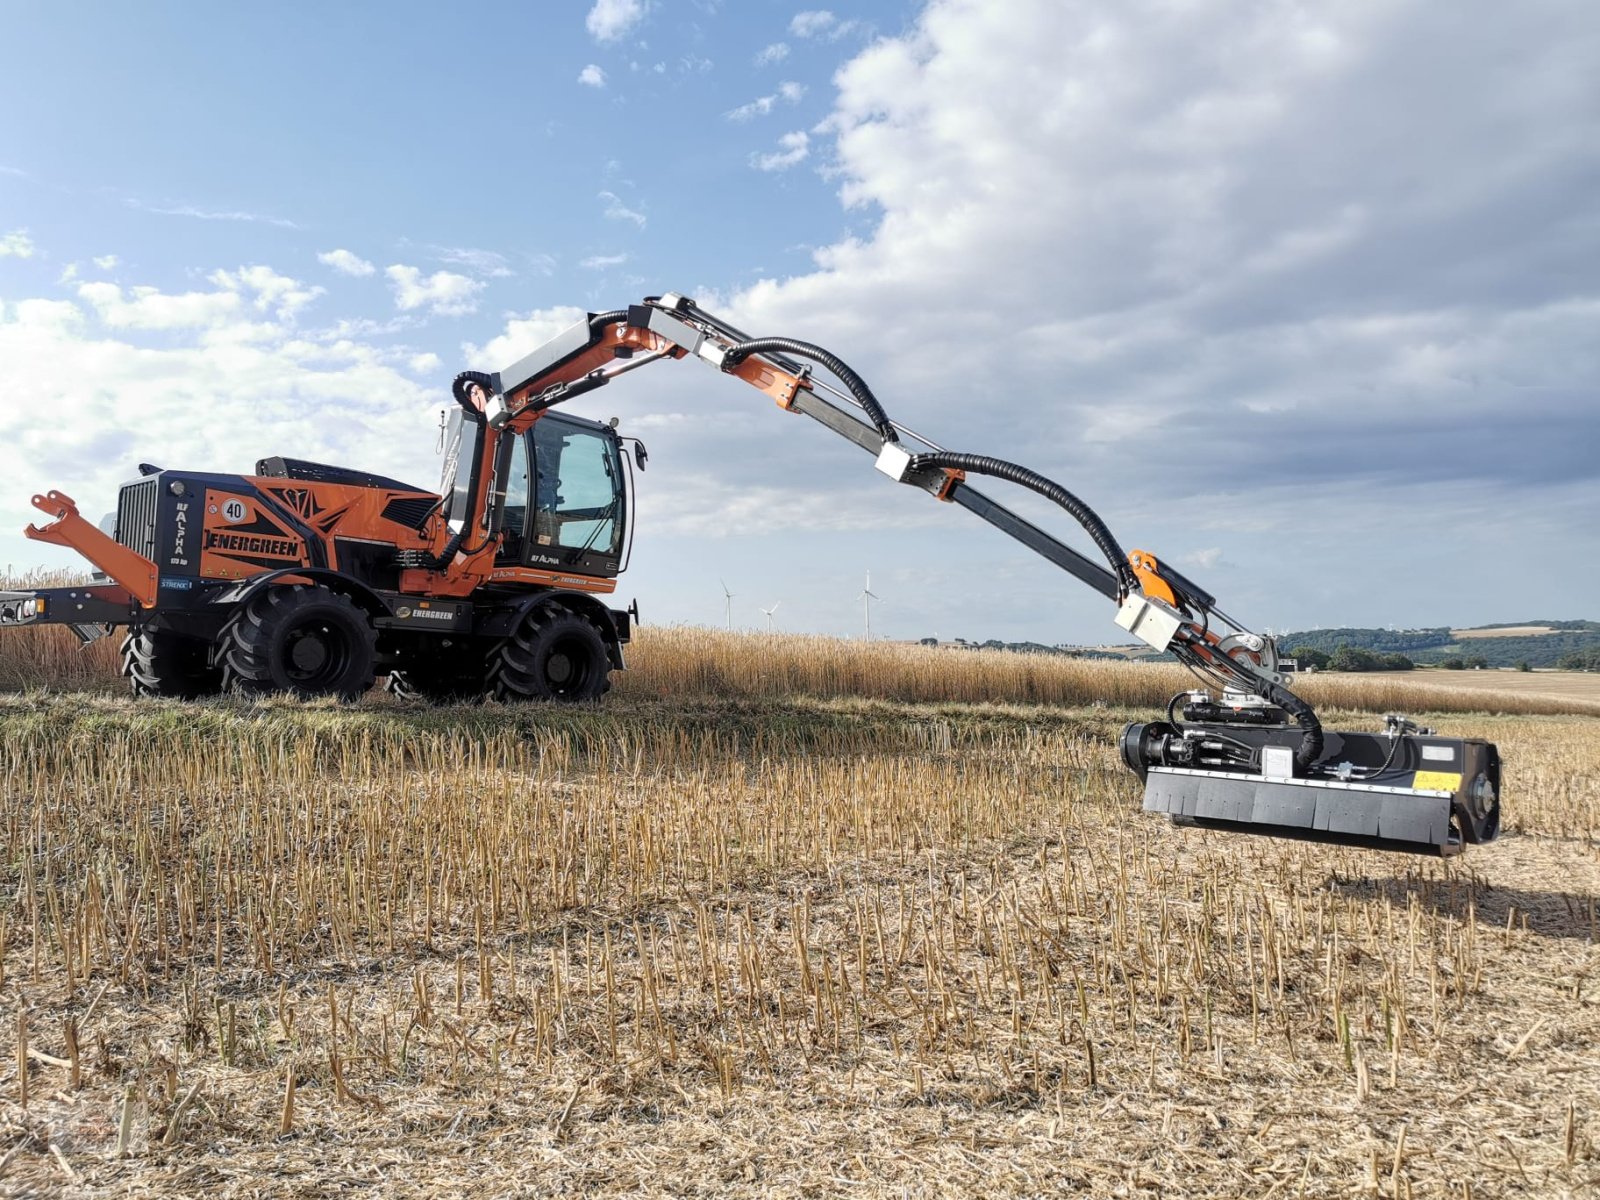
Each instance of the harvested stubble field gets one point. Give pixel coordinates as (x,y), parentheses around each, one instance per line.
(781,918)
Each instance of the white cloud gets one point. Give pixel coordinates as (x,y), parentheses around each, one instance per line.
(773,54)
(616,210)
(203,214)
(788,91)
(68,273)
(234,310)
(483,262)
(608,20)
(150,308)
(599,262)
(810,23)
(16,244)
(521,335)
(105,262)
(792,150)
(346,263)
(592,76)
(819,23)
(424,364)
(1204,559)
(275,293)
(443,293)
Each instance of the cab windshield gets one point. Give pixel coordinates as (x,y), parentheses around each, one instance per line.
(577,489)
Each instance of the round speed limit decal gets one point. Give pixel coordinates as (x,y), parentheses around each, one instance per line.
(234,510)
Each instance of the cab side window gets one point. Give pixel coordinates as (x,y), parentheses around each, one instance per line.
(515,519)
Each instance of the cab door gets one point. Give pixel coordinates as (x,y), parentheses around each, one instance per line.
(578,516)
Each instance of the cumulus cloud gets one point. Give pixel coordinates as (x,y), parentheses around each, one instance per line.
(521,335)
(609,20)
(592,76)
(105,262)
(772,55)
(792,150)
(346,263)
(269,291)
(616,210)
(150,308)
(443,293)
(16,244)
(788,91)
(240,300)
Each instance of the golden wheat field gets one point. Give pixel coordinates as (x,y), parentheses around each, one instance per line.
(785,917)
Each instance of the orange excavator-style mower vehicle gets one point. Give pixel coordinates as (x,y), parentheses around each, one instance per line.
(313,580)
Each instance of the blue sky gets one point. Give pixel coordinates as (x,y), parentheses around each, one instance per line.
(1303,298)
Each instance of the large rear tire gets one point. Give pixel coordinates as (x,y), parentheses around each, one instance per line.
(162,663)
(554,655)
(303,639)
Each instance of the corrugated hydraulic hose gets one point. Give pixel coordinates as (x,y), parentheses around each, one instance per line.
(856,385)
(1310,748)
(982,464)
(458,388)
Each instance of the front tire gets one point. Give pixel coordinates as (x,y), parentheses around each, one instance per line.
(162,663)
(303,639)
(554,655)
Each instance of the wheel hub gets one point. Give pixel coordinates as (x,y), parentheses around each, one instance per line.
(308,653)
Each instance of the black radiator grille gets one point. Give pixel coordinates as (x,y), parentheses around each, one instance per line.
(136,516)
(412,511)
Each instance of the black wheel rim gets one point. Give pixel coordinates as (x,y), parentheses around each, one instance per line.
(569,666)
(316,656)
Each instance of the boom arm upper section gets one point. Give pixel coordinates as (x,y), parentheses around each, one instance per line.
(1155,603)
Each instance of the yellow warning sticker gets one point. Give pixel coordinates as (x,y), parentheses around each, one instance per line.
(1438,781)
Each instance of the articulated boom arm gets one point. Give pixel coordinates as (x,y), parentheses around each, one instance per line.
(1155,603)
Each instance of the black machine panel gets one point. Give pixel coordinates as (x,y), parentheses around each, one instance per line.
(1405,790)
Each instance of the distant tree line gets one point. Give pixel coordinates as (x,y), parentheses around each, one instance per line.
(1382,641)
(1349,658)
(1581,660)
(1539,650)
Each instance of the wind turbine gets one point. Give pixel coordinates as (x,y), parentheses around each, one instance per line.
(769,612)
(727,598)
(867,597)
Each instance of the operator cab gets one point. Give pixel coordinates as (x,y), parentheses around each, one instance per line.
(560,494)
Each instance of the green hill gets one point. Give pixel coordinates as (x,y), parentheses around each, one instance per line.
(1441,645)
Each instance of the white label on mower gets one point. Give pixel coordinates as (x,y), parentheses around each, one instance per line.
(235,511)
(1439,753)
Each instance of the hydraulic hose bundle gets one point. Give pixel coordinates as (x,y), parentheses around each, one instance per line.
(853,382)
(982,464)
(1311,742)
